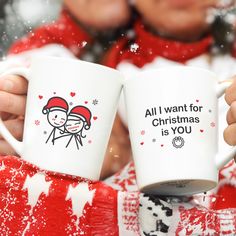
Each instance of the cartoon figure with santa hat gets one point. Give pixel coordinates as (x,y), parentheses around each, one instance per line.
(56,110)
(78,119)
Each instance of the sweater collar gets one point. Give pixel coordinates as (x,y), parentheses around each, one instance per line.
(167,48)
(148,46)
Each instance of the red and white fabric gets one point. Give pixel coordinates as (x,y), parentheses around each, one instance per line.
(37,202)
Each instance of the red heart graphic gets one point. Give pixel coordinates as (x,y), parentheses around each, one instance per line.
(40,96)
(142,143)
(86,102)
(201,130)
(72,94)
(197,100)
(95,117)
(162,145)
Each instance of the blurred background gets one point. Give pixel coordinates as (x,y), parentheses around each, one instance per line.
(18,17)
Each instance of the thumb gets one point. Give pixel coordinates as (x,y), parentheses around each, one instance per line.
(13,84)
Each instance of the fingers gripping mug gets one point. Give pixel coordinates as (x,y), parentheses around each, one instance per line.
(70,109)
(173,121)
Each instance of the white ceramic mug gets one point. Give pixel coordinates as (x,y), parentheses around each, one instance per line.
(71,105)
(173,121)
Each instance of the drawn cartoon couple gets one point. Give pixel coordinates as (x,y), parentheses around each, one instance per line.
(69,124)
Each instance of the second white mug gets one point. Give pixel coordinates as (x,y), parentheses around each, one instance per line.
(70,110)
(173,124)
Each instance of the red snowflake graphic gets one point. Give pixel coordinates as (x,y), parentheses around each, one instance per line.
(213,124)
(37,122)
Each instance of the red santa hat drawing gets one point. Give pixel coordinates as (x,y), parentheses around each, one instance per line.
(55,103)
(83,113)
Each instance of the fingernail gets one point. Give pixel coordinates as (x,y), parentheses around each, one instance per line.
(7,85)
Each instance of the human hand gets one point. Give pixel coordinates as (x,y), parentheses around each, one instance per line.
(118,152)
(13,91)
(230,131)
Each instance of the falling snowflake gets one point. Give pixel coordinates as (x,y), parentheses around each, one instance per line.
(210,110)
(71,103)
(95,102)
(37,122)
(130,34)
(84,43)
(154,140)
(134,47)
(44,132)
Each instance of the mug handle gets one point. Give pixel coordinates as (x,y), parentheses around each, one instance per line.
(17,145)
(222,160)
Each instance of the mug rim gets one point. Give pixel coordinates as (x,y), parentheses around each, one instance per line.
(39,58)
(139,74)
